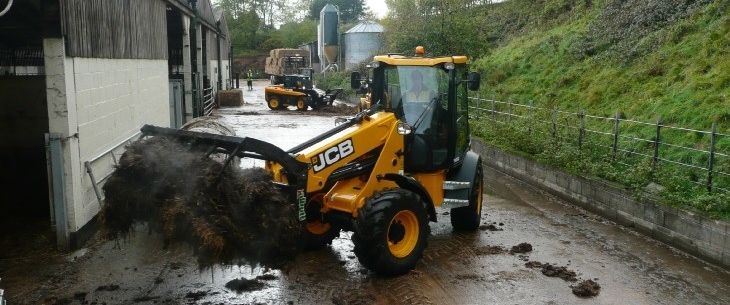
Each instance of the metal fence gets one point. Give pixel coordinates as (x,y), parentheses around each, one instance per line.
(702,156)
(208,101)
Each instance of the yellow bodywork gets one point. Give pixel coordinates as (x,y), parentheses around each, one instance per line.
(358,142)
(398,60)
(281,91)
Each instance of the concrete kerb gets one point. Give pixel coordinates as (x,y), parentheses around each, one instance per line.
(708,239)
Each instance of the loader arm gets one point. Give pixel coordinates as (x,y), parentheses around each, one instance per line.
(236,146)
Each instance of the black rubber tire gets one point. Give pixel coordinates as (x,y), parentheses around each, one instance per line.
(274,103)
(469,217)
(316,234)
(302,104)
(391,232)
(316,104)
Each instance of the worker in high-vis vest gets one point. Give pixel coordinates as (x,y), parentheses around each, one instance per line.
(249,80)
(418,92)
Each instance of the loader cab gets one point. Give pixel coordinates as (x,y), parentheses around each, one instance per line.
(430,95)
(293,81)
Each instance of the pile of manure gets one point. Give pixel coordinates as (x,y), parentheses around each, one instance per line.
(228,215)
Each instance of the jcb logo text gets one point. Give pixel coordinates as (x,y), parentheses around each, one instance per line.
(332,155)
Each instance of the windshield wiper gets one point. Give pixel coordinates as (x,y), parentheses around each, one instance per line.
(426,110)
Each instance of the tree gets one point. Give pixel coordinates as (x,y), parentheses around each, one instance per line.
(442,27)
(295,34)
(270,12)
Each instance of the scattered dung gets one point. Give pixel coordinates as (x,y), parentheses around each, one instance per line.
(558,271)
(490,227)
(339,109)
(228,215)
(196,295)
(353,298)
(521,248)
(110,287)
(488,250)
(533,264)
(242,284)
(586,288)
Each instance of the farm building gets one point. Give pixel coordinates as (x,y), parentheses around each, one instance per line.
(361,43)
(77,81)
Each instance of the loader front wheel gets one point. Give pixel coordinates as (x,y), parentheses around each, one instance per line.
(274,103)
(469,217)
(391,232)
(316,233)
(302,104)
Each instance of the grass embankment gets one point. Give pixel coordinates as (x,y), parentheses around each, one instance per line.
(640,59)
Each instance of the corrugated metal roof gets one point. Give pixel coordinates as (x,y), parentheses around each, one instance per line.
(367,26)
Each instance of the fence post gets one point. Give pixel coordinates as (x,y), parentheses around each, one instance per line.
(529,118)
(656,144)
(581,131)
(712,158)
(555,121)
(479,99)
(509,112)
(493,115)
(615,137)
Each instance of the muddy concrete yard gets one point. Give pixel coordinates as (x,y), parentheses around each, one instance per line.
(531,249)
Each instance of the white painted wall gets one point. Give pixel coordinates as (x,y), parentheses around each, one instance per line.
(99,104)
(213,72)
(114,99)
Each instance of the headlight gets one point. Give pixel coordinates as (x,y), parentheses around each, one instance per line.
(404,129)
(375,64)
(449,66)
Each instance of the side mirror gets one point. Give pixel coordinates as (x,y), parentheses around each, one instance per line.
(473,81)
(355,80)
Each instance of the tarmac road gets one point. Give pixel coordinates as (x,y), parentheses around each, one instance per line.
(458,268)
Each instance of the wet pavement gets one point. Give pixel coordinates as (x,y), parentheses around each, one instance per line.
(458,268)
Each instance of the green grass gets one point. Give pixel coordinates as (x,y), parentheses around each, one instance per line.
(680,72)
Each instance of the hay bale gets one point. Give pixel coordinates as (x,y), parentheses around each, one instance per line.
(230,98)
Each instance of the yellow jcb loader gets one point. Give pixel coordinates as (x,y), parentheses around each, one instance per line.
(297,90)
(381,173)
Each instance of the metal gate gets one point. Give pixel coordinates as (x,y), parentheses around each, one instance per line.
(176,103)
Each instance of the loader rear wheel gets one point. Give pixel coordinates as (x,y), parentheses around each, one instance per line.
(316,233)
(391,232)
(274,103)
(469,217)
(316,104)
(302,104)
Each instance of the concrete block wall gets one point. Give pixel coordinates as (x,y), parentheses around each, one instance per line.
(113,98)
(708,239)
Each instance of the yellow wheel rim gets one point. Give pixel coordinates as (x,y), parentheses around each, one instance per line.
(301,104)
(403,234)
(318,228)
(274,103)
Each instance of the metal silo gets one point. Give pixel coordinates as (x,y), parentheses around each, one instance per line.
(361,42)
(328,36)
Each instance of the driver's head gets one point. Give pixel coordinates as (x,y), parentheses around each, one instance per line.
(416,77)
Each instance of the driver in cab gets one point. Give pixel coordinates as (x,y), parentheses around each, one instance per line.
(417,102)
(418,92)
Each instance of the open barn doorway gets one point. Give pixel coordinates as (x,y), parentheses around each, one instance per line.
(25,217)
